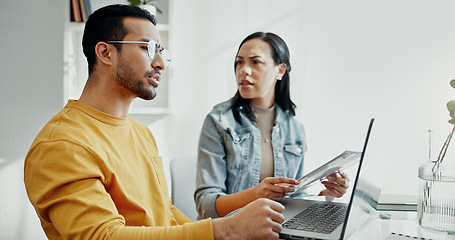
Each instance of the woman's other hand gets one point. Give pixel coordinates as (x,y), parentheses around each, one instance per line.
(336,185)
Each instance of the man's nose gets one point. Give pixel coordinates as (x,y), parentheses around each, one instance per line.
(159,63)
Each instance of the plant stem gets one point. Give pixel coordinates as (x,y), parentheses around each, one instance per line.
(443,151)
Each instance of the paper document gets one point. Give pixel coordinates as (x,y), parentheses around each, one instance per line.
(342,161)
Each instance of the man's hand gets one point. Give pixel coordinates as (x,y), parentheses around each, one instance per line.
(336,185)
(261,219)
(275,188)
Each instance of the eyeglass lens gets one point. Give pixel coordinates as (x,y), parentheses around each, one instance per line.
(151,47)
(154,50)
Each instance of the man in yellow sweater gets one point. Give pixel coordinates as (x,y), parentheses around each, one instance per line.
(94,173)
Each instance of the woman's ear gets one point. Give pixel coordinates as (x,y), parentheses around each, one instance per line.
(104,52)
(281,71)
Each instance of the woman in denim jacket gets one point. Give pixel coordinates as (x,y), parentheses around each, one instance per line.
(251,146)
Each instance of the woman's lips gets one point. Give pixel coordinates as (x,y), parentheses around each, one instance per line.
(244,84)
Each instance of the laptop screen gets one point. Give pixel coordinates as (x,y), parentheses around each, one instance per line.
(365,195)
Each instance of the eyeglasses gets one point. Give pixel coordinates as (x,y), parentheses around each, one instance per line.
(153,50)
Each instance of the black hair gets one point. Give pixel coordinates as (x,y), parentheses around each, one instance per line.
(106,24)
(280,54)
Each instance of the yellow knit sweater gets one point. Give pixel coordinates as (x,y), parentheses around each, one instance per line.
(91,175)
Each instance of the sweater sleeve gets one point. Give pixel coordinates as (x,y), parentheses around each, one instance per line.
(194,230)
(67,189)
(179,216)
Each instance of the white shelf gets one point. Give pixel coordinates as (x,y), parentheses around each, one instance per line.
(162,27)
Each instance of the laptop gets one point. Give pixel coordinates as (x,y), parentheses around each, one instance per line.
(312,219)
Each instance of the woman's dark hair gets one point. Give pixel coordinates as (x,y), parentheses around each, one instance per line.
(106,24)
(280,54)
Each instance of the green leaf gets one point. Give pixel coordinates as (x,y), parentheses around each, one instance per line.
(452,83)
(135,2)
(451,106)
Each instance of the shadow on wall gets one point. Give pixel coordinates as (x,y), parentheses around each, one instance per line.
(183,172)
(18,219)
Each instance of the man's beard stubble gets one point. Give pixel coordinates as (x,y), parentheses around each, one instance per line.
(125,78)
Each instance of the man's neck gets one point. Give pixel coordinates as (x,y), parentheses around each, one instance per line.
(106,98)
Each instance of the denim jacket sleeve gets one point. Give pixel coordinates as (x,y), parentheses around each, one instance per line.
(211,169)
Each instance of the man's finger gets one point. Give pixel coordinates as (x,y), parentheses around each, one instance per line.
(277,206)
(276,227)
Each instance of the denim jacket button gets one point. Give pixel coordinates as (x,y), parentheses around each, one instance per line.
(280,155)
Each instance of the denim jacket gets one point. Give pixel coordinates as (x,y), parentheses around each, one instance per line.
(229,154)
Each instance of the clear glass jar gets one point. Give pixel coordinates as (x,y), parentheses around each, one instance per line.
(436,204)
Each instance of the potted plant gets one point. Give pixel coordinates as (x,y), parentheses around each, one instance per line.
(436,205)
(146,5)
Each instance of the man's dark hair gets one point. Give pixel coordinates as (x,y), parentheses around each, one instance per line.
(280,54)
(106,24)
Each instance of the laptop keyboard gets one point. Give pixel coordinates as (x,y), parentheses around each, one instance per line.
(320,218)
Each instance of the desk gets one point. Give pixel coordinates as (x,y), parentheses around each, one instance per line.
(400,222)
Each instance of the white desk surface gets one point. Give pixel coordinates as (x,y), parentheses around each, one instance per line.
(400,222)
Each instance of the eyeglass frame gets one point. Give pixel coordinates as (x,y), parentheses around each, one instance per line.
(158,49)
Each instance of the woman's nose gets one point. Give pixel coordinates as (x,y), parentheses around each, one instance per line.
(245,69)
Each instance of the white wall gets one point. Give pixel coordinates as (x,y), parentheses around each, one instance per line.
(31,67)
(352,60)
(31,71)
(391,60)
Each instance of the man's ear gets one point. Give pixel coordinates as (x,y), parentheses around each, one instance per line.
(104,53)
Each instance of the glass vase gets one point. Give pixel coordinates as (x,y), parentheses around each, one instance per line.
(436,204)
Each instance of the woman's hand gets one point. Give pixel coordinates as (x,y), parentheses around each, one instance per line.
(336,185)
(275,188)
